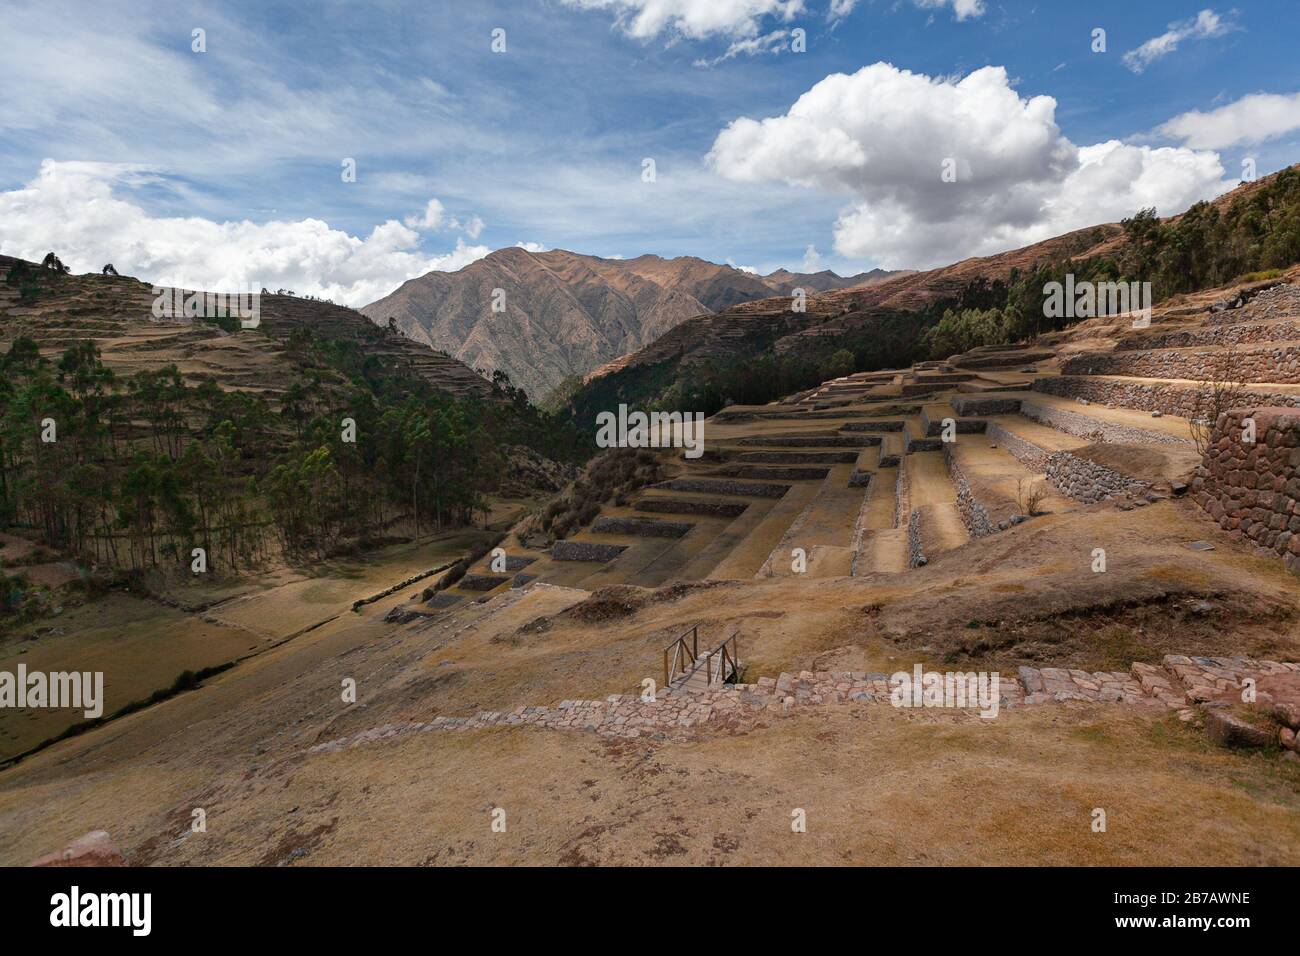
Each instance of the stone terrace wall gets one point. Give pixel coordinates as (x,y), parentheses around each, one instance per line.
(915,553)
(1280,364)
(1087,481)
(1026,452)
(974,515)
(1085,426)
(1214,335)
(1074,477)
(1168,399)
(1253,490)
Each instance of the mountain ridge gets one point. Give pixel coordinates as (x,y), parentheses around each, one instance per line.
(561,314)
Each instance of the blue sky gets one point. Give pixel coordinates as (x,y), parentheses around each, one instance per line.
(118,140)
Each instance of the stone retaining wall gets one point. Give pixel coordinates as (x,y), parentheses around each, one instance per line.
(962,426)
(811,441)
(718,486)
(800,457)
(884,425)
(1025,452)
(1213,335)
(1253,490)
(1074,477)
(974,514)
(915,549)
(1168,399)
(480,582)
(686,506)
(645,527)
(776,472)
(1181,683)
(970,404)
(585,551)
(1096,429)
(1280,364)
(1087,481)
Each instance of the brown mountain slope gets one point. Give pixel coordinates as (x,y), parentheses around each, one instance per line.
(116,312)
(563,314)
(747,327)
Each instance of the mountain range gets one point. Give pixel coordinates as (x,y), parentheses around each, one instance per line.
(560,315)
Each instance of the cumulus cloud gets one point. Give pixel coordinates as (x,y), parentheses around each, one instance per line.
(531,246)
(434,216)
(694,19)
(431,218)
(72,209)
(1205,25)
(1251,119)
(883,136)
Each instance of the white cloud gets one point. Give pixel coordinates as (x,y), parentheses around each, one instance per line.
(431,218)
(472,227)
(435,217)
(1205,25)
(531,246)
(71,208)
(773,42)
(694,19)
(839,9)
(1251,119)
(882,135)
(963,9)
(812,260)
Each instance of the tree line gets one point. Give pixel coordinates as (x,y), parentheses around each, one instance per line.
(137,471)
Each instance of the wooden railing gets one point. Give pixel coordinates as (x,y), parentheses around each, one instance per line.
(728,663)
(683,655)
(680,650)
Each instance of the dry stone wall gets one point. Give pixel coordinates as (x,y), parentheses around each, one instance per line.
(1166,398)
(1279,364)
(1085,426)
(1180,683)
(975,515)
(1026,452)
(1287,331)
(1089,482)
(1253,489)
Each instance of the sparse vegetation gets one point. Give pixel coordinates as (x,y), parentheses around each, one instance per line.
(1224,389)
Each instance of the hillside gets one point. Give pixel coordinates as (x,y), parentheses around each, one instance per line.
(883,323)
(769,590)
(565,314)
(132,435)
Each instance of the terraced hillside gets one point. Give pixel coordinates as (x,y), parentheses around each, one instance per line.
(665,682)
(117,314)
